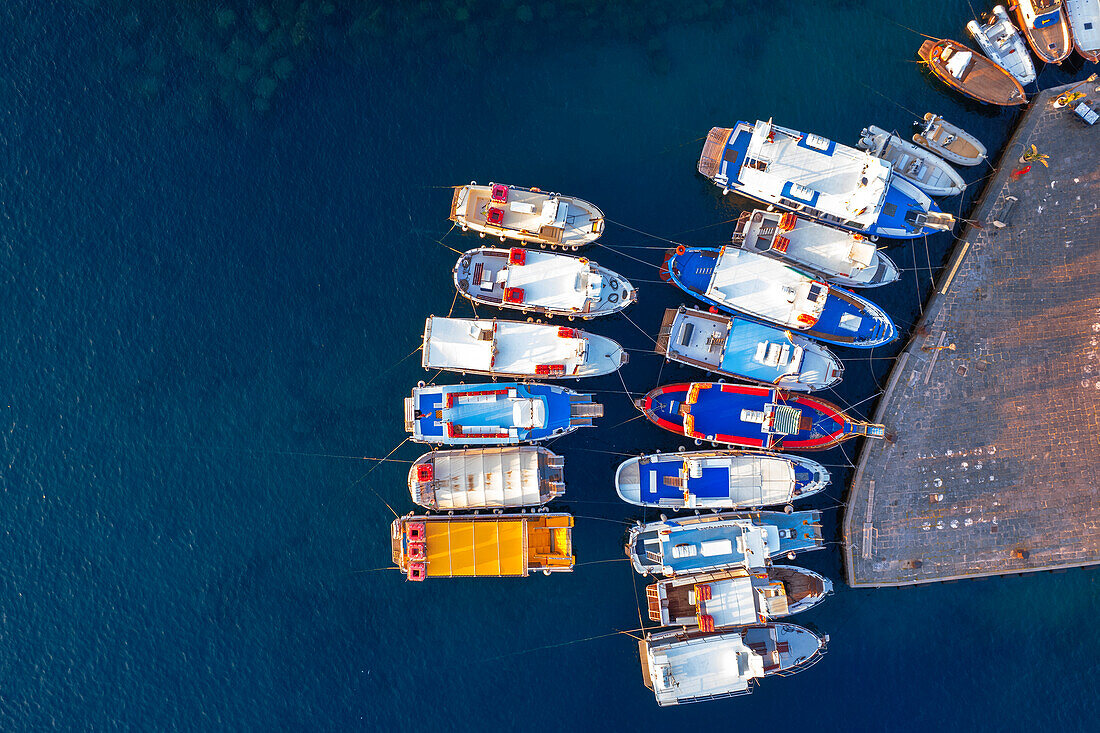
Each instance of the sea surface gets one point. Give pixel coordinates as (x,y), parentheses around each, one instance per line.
(221,228)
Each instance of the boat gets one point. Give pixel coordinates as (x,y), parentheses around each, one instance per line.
(972,74)
(1084,21)
(706,542)
(752,417)
(819,178)
(841,257)
(541,282)
(718,601)
(738,281)
(516,349)
(949,141)
(682,666)
(505,413)
(526,215)
(1045,27)
(1003,44)
(486,478)
(742,348)
(718,479)
(485,545)
(925,170)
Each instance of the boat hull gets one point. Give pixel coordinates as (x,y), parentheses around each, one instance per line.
(987,82)
(526,215)
(924,169)
(1047,31)
(1079,14)
(1002,42)
(950,141)
(486,478)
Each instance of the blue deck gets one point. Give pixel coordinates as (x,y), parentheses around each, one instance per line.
(895,207)
(733,155)
(496,413)
(738,355)
(875,327)
(713,484)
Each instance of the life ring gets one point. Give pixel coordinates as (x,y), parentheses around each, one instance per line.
(613,284)
(613,298)
(680,249)
(465,263)
(464,285)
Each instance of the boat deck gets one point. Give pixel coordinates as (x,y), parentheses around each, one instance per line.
(825,249)
(1084,20)
(994,404)
(977,76)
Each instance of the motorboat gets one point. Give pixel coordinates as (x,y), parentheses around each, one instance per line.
(924,169)
(742,479)
(1046,29)
(526,215)
(486,478)
(970,73)
(548,283)
(1084,22)
(949,141)
(739,347)
(1003,43)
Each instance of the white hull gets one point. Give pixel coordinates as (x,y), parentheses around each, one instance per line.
(1002,42)
(924,169)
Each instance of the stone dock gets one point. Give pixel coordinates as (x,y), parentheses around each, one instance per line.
(993,407)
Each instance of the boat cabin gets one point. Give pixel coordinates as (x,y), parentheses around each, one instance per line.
(785,235)
(486,478)
(765,288)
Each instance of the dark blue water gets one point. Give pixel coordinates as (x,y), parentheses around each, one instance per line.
(219,239)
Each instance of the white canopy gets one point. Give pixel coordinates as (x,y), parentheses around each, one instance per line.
(489,477)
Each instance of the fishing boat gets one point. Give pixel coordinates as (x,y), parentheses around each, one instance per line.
(841,257)
(752,417)
(740,347)
(496,414)
(739,281)
(949,141)
(541,282)
(1045,27)
(1084,21)
(1002,42)
(691,666)
(526,214)
(516,349)
(718,479)
(486,545)
(973,75)
(486,478)
(925,170)
(816,177)
(719,601)
(706,542)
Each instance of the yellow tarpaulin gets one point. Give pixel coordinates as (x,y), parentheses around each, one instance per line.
(476,548)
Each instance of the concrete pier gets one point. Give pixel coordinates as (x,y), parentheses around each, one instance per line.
(994,405)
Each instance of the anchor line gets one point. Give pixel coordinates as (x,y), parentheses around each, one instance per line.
(647,234)
(928,259)
(624,254)
(566,643)
(624,315)
(916,280)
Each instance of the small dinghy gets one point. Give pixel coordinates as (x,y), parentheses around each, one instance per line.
(496,413)
(683,666)
(486,478)
(923,169)
(526,214)
(752,417)
(718,479)
(1084,21)
(541,282)
(719,601)
(949,141)
(841,257)
(1044,24)
(705,542)
(1002,42)
(973,75)
(739,281)
(742,348)
(517,349)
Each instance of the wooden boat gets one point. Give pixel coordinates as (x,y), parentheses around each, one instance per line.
(1002,42)
(526,214)
(486,478)
(541,282)
(517,349)
(718,601)
(1045,27)
(949,141)
(972,74)
(925,170)
(682,666)
(1084,22)
(739,347)
(490,545)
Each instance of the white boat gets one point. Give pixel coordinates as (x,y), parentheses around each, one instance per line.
(526,215)
(692,666)
(718,601)
(517,349)
(541,282)
(1084,21)
(924,169)
(950,142)
(1000,40)
(718,479)
(841,257)
(486,478)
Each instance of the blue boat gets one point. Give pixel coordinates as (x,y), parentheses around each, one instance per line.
(505,413)
(707,542)
(718,479)
(816,177)
(739,281)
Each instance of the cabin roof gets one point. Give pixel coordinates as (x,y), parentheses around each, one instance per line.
(705,666)
(763,287)
(485,477)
